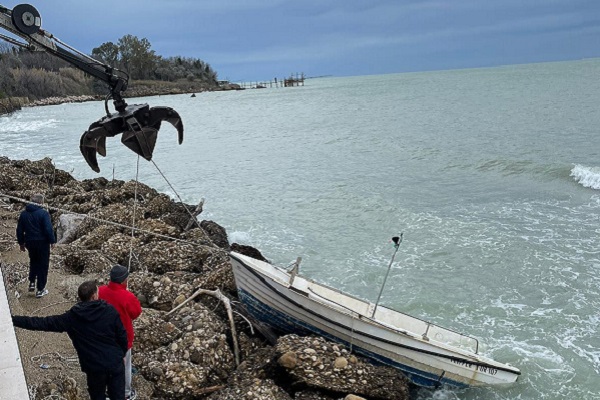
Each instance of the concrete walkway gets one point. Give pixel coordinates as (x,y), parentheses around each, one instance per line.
(12,377)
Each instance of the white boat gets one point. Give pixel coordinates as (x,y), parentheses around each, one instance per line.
(428,354)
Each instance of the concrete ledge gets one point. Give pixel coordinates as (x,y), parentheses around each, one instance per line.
(12,377)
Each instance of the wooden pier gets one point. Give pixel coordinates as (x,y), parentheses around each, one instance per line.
(293,80)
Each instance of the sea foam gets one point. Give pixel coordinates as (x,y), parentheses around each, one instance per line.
(20,126)
(587,176)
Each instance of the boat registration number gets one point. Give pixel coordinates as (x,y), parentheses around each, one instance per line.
(480,368)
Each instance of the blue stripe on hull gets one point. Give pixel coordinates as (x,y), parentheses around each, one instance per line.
(287,324)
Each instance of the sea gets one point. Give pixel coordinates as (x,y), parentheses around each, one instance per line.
(491,175)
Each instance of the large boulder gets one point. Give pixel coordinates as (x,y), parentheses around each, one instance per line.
(324,365)
(93,236)
(198,359)
(119,247)
(248,251)
(66,229)
(253,379)
(79,261)
(164,256)
(161,292)
(217,233)
(153,331)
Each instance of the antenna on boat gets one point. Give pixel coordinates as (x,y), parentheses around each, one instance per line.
(397,240)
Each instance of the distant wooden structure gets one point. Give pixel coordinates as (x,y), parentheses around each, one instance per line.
(293,80)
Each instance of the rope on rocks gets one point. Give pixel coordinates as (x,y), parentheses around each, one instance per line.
(52,305)
(67,361)
(117,224)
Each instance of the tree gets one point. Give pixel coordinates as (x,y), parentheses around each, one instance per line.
(107,53)
(137,57)
(39,74)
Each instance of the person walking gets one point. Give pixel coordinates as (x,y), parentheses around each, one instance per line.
(98,336)
(35,234)
(129,308)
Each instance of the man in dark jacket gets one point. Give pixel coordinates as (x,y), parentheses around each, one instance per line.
(98,336)
(35,233)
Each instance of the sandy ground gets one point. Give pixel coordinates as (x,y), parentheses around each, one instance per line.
(48,358)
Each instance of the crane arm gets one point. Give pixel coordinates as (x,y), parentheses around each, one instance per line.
(25,21)
(139,123)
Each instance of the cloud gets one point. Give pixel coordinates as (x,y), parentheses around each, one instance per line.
(277,34)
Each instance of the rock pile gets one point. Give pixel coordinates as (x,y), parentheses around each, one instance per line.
(187,354)
(60,100)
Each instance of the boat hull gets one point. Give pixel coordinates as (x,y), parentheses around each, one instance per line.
(290,308)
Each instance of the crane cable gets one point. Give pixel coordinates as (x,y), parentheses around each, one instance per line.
(176,194)
(135,201)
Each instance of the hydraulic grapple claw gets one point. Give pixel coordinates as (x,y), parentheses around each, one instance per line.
(159,114)
(139,125)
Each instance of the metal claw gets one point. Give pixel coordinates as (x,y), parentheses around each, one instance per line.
(139,125)
(159,114)
(92,142)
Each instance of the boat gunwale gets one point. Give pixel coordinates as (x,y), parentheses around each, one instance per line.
(489,363)
(368,319)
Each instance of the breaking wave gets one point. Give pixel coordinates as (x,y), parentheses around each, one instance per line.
(587,176)
(20,126)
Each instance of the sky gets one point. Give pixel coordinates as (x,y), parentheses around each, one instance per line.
(258,40)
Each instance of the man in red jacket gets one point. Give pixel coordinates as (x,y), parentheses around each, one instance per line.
(129,308)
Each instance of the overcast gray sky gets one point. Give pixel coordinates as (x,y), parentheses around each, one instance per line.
(262,39)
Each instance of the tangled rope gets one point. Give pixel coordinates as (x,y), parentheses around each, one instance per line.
(70,361)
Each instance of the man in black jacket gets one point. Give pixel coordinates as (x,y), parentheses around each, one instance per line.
(98,336)
(35,233)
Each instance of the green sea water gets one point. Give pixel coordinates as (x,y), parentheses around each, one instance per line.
(492,175)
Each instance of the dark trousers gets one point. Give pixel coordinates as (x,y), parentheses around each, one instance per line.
(39,261)
(102,383)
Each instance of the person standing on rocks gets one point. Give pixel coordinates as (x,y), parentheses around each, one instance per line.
(129,308)
(98,336)
(35,233)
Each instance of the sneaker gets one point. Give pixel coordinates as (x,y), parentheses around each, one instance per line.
(132,395)
(31,286)
(41,293)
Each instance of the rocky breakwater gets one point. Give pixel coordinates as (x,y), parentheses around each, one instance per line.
(13,104)
(189,353)
(48,101)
